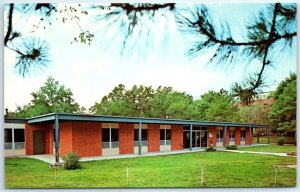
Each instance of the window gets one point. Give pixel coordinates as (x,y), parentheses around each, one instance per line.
(243,134)
(105,134)
(110,137)
(7,134)
(144,134)
(19,135)
(219,136)
(165,136)
(231,134)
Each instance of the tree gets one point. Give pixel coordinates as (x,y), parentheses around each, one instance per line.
(268,35)
(215,106)
(32,52)
(256,114)
(143,101)
(283,115)
(50,98)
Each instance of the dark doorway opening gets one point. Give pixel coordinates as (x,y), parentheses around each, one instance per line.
(39,142)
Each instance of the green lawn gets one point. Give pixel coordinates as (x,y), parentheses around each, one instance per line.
(274,139)
(221,169)
(270,148)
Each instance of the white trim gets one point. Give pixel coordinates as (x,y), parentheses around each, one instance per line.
(14,125)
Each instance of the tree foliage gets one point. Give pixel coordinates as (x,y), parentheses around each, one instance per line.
(50,98)
(215,106)
(269,34)
(165,102)
(283,115)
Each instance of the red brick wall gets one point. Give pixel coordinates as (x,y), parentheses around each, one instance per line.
(237,136)
(176,137)
(153,137)
(126,138)
(65,132)
(87,138)
(247,136)
(227,136)
(213,139)
(29,128)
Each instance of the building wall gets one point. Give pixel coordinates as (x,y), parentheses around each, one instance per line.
(247,137)
(126,138)
(176,137)
(29,128)
(213,139)
(87,138)
(237,136)
(153,137)
(65,132)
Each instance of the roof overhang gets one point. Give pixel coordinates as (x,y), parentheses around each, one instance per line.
(120,119)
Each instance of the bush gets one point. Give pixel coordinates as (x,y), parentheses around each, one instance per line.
(211,148)
(293,153)
(71,161)
(281,141)
(232,147)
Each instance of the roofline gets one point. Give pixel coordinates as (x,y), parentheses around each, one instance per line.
(13,120)
(119,119)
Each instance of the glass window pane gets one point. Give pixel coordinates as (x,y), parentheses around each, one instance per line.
(162,134)
(114,135)
(105,135)
(136,134)
(168,131)
(19,135)
(144,134)
(7,134)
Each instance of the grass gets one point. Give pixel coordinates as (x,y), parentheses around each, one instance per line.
(221,169)
(274,139)
(273,148)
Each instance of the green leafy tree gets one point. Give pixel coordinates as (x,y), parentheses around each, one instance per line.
(215,106)
(51,97)
(283,115)
(256,114)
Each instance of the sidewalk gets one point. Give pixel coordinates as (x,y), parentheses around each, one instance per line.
(255,152)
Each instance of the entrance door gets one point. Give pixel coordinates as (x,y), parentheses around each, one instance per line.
(203,138)
(39,142)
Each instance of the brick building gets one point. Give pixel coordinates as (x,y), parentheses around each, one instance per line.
(93,135)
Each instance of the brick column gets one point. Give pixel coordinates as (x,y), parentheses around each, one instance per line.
(176,137)
(247,136)
(237,136)
(126,138)
(213,139)
(153,137)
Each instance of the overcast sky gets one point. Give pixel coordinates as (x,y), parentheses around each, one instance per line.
(92,71)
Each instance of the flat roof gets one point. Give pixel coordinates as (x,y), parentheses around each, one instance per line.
(122,119)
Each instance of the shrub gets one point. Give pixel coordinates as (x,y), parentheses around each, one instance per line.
(211,148)
(293,153)
(281,141)
(232,147)
(71,161)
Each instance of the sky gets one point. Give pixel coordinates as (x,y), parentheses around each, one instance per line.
(92,71)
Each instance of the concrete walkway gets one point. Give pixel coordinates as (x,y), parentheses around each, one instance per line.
(48,158)
(255,152)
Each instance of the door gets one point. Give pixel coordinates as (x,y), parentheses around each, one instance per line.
(203,138)
(39,142)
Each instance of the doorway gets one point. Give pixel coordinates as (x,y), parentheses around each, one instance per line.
(199,138)
(39,142)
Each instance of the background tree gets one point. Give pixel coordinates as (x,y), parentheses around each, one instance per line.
(215,106)
(51,97)
(256,114)
(283,115)
(269,35)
